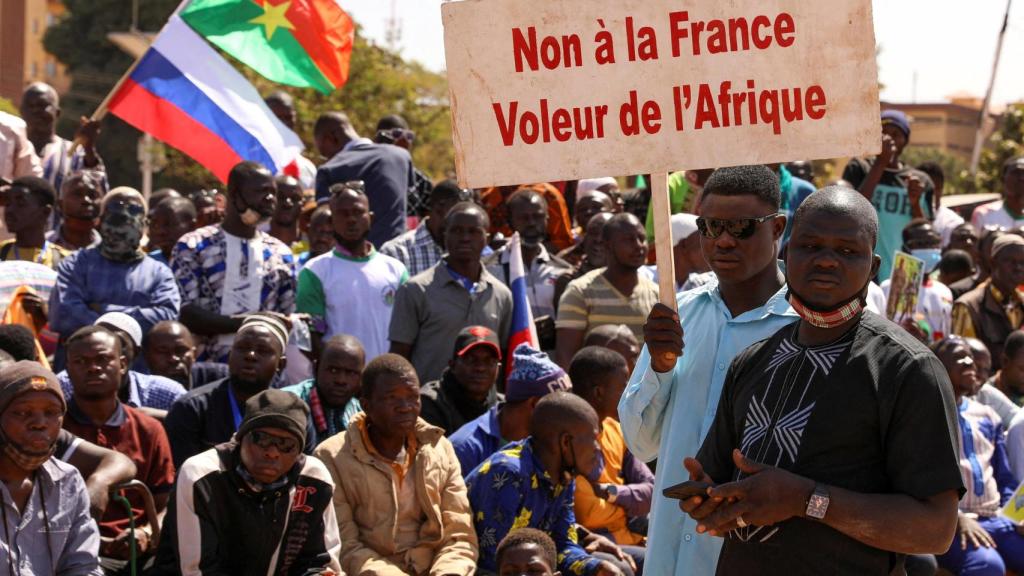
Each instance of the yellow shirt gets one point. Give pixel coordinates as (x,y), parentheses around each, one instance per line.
(50,255)
(597,513)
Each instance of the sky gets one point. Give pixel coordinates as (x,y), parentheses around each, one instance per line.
(949,44)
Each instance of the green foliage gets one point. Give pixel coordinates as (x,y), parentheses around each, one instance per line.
(9,107)
(380,83)
(1006,142)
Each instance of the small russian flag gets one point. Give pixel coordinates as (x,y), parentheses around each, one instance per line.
(523,329)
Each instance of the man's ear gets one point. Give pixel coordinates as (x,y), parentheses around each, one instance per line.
(876,263)
(282,363)
(779,226)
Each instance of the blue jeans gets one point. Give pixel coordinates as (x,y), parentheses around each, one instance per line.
(1008,553)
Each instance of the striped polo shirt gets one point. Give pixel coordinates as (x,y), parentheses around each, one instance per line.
(591,301)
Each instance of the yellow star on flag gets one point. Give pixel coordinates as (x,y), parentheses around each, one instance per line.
(274,17)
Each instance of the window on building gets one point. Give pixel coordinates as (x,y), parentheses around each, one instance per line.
(35,26)
(51,69)
(35,70)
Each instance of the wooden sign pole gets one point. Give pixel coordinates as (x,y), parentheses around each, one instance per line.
(663,243)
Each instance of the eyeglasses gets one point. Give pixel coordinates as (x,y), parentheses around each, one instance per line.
(356,185)
(284,445)
(122,207)
(396,134)
(740,229)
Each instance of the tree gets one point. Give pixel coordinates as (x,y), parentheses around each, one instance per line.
(380,83)
(954,167)
(1005,143)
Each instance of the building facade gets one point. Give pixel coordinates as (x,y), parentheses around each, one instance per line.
(23,59)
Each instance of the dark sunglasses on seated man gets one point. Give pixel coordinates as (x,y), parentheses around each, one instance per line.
(122,207)
(266,441)
(740,228)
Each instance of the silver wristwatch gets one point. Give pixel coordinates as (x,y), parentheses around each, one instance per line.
(817,503)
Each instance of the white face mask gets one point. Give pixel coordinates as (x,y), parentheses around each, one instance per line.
(251,217)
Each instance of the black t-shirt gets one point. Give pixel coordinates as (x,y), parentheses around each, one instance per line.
(872,412)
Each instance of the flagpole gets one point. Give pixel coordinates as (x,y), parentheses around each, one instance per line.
(979,135)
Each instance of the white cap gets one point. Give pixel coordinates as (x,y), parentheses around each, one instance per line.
(590,184)
(683,225)
(124,323)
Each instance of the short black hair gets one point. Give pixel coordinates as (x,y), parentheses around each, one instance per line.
(242,171)
(331,121)
(180,204)
(447,190)
(617,221)
(956,262)
(558,412)
(38,188)
(281,97)
(523,195)
(915,223)
(1014,343)
(841,202)
(321,209)
(525,536)
(340,186)
(591,365)
(87,331)
(18,341)
(385,365)
(467,207)
(392,121)
(755,180)
(346,341)
(933,170)
(944,347)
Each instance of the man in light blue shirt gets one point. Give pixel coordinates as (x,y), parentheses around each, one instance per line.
(670,402)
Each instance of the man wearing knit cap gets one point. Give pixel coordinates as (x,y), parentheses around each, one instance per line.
(899,193)
(254,504)
(1007,212)
(995,308)
(533,376)
(153,394)
(116,276)
(467,386)
(210,415)
(47,528)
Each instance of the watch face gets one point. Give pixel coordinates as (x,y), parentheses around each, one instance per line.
(817,506)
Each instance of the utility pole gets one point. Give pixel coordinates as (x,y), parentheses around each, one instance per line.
(393,28)
(979,136)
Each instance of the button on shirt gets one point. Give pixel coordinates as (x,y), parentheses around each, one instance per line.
(667,416)
(74,537)
(540,277)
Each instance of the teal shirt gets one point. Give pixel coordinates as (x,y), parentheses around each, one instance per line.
(666,416)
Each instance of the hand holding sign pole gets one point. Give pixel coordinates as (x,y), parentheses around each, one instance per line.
(663,242)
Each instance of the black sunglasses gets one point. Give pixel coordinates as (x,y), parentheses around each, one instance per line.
(266,441)
(122,207)
(357,185)
(740,229)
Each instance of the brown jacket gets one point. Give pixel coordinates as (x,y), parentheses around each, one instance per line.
(367,507)
(991,324)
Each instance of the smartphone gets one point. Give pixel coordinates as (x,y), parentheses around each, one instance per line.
(687,489)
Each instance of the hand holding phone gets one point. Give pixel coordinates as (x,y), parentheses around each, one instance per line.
(687,489)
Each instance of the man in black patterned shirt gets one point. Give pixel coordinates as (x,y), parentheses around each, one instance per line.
(834,448)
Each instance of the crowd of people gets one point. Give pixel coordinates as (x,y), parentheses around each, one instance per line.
(311,373)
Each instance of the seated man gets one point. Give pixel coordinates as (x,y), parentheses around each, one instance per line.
(531,483)
(817,414)
(115,276)
(210,415)
(466,388)
(47,528)
(390,457)
(259,481)
(96,367)
(533,376)
(625,487)
(153,394)
(527,551)
(987,543)
(169,351)
(333,396)
(169,220)
(29,204)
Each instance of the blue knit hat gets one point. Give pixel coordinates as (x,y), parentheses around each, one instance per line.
(897,119)
(533,375)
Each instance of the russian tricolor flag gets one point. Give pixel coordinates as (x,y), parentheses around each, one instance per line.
(523,329)
(186,95)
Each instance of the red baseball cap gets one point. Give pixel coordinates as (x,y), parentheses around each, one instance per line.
(472,336)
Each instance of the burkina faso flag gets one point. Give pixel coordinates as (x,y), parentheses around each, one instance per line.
(303,43)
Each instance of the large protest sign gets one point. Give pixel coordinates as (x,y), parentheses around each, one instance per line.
(544,90)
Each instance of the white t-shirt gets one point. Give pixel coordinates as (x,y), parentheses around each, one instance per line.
(352,296)
(945,221)
(935,302)
(993,214)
